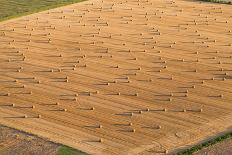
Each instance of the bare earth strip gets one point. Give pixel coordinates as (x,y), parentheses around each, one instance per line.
(222,148)
(16,143)
(119,76)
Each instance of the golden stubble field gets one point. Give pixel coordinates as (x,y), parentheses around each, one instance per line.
(119,76)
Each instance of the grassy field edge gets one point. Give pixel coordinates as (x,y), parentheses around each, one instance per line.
(205,144)
(217,1)
(52,6)
(66,150)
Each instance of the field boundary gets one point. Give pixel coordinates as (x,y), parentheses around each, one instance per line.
(205,143)
(53,6)
(217,1)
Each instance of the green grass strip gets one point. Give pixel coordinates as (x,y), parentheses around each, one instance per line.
(65,150)
(14,8)
(205,144)
(217,1)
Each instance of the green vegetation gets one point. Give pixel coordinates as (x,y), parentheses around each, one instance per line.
(218,1)
(65,150)
(205,144)
(15,8)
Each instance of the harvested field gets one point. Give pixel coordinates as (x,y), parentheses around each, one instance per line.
(119,76)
